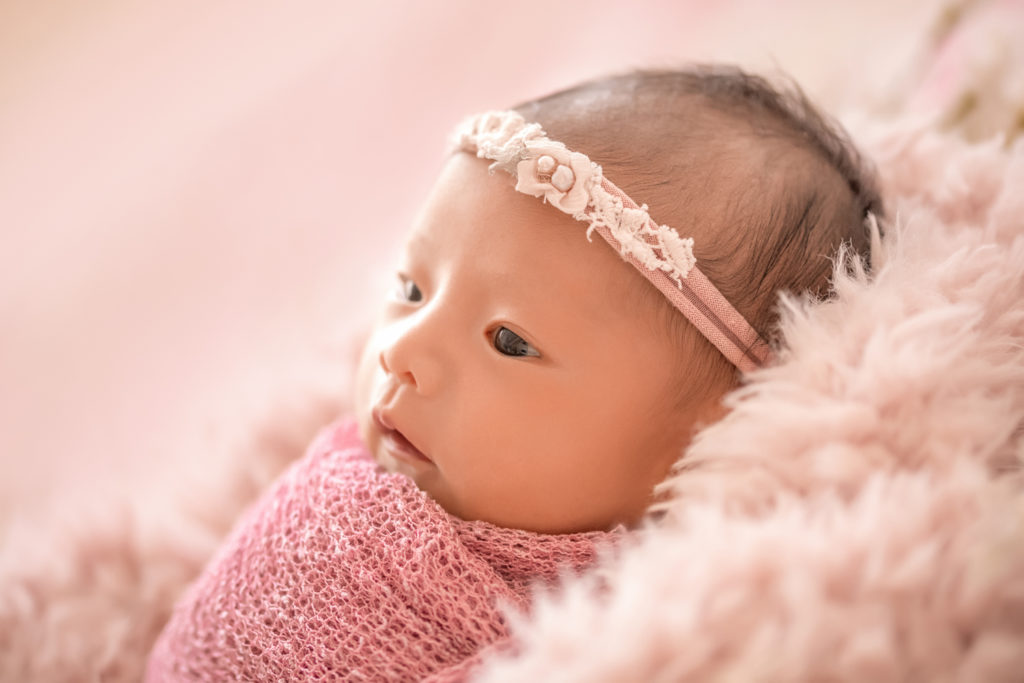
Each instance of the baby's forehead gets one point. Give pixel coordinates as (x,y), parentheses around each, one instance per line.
(510,244)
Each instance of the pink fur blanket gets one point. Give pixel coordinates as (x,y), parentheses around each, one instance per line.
(344,571)
(859,516)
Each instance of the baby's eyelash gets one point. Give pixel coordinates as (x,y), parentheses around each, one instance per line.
(508,343)
(504,340)
(408,290)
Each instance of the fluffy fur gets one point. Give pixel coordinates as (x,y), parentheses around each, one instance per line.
(859,515)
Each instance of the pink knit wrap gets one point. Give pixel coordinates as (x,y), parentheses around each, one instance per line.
(344,571)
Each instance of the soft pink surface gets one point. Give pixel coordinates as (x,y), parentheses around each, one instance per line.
(895,416)
(343,570)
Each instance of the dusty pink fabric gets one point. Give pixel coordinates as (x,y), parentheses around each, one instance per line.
(344,571)
(703,304)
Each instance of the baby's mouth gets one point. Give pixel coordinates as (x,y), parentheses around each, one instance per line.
(396,443)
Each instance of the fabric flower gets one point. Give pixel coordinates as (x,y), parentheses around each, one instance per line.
(553,172)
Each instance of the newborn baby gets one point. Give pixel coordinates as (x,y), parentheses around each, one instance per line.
(548,353)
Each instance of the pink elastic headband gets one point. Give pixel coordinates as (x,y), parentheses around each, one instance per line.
(574,184)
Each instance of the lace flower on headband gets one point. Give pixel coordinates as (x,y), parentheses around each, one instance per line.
(575,185)
(561,176)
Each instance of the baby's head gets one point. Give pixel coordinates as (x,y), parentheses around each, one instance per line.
(525,376)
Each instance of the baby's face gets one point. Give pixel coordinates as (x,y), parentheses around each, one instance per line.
(508,375)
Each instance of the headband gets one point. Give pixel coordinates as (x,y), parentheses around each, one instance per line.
(574,184)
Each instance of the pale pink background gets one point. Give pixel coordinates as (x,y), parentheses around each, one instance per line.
(197,197)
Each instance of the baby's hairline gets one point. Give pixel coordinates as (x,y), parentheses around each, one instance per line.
(654,148)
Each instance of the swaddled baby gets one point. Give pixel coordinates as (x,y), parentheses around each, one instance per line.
(548,352)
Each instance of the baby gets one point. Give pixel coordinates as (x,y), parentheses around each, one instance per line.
(548,352)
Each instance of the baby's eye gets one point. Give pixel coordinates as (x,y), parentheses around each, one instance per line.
(511,344)
(408,290)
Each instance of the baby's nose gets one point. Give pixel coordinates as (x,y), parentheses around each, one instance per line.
(412,364)
(403,376)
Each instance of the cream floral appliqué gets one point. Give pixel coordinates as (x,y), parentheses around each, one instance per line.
(572,183)
(553,172)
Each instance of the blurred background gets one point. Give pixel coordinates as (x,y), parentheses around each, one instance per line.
(199,201)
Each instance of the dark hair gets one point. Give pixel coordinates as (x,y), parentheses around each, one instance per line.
(767,185)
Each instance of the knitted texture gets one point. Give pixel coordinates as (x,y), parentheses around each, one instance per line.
(343,571)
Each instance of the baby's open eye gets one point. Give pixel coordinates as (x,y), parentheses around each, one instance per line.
(408,290)
(511,344)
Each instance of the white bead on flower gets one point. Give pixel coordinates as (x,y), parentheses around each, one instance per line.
(553,172)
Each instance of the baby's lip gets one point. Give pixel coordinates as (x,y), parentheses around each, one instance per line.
(396,438)
(382,419)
